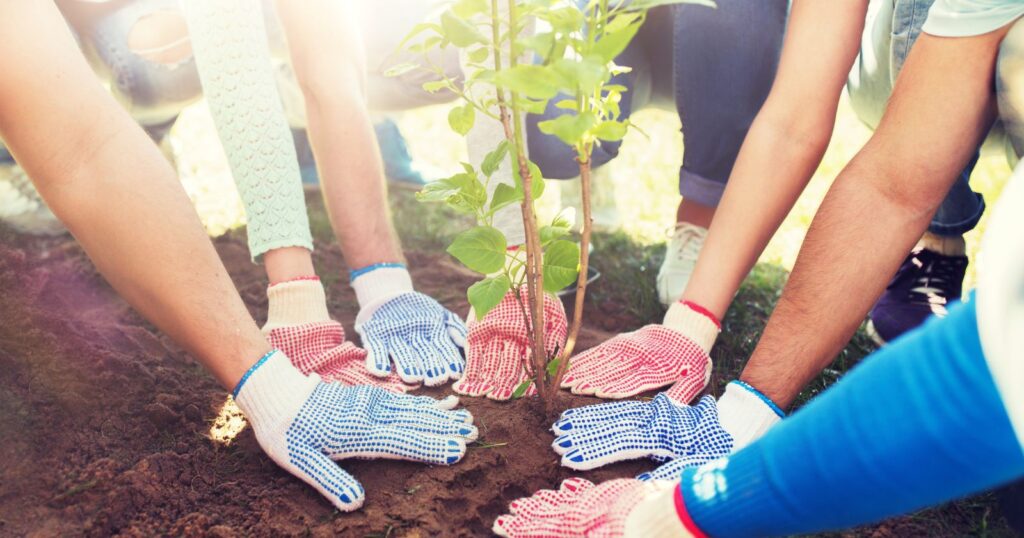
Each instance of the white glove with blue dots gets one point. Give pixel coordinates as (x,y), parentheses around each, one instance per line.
(305,425)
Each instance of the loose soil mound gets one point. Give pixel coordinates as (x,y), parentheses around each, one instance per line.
(105,422)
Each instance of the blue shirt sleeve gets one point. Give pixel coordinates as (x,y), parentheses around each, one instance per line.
(918,423)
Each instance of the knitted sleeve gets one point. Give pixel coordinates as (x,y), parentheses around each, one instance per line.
(233,57)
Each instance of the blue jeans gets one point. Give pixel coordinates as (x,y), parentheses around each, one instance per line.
(715,66)
(892,28)
(153,93)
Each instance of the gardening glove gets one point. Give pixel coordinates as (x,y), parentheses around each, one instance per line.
(499,347)
(664,428)
(298,324)
(657,355)
(416,332)
(305,425)
(622,507)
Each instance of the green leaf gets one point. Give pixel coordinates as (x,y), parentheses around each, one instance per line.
(521,389)
(569,128)
(492,162)
(581,76)
(552,368)
(541,43)
(612,43)
(463,192)
(481,249)
(487,293)
(561,265)
(460,32)
(638,5)
(479,55)
(550,233)
(612,131)
(505,195)
(535,81)
(565,19)
(567,104)
(426,45)
(419,29)
(461,118)
(434,85)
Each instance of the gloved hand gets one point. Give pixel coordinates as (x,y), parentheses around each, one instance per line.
(499,345)
(656,355)
(305,425)
(415,331)
(622,507)
(298,324)
(663,428)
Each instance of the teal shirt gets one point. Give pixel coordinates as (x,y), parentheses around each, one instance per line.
(961,18)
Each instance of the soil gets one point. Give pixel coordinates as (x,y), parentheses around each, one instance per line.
(104,422)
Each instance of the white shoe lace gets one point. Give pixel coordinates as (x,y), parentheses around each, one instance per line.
(685,242)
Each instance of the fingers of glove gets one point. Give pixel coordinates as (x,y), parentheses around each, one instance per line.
(616,431)
(435,372)
(587,416)
(318,470)
(510,373)
(674,468)
(547,526)
(628,383)
(687,388)
(405,444)
(599,449)
(378,360)
(408,361)
(447,358)
(548,513)
(434,421)
(481,365)
(546,500)
(583,362)
(457,329)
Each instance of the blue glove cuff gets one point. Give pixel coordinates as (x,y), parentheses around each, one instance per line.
(250,371)
(356,273)
(767,401)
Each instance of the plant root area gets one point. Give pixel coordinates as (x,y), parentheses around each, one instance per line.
(105,424)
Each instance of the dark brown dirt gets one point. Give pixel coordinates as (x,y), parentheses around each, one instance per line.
(104,422)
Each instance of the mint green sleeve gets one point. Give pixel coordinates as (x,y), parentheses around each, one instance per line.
(233,57)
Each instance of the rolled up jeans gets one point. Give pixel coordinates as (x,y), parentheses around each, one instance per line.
(891,30)
(714,66)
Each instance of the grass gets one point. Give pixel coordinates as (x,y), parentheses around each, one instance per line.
(643,182)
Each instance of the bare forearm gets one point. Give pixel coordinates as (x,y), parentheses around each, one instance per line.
(770,173)
(940,110)
(113,189)
(341,132)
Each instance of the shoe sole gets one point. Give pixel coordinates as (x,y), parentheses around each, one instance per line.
(875,337)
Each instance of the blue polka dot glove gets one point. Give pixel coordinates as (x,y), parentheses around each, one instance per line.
(597,435)
(305,425)
(664,429)
(420,336)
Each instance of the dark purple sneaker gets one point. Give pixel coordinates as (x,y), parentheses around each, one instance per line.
(925,283)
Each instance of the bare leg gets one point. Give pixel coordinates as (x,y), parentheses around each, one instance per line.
(695,213)
(118,196)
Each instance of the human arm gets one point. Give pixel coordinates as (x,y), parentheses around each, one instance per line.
(783,148)
(116,193)
(942,106)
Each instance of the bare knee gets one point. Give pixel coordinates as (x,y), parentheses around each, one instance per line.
(162,38)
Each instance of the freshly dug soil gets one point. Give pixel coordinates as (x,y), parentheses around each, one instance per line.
(104,422)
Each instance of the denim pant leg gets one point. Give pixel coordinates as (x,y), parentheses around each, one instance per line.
(725,63)
(892,28)
(153,93)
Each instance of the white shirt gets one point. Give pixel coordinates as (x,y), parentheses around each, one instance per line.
(962,18)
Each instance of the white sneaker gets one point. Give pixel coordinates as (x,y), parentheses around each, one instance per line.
(684,244)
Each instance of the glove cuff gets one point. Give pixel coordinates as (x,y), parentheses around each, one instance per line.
(693,322)
(375,287)
(746,414)
(295,302)
(271,394)
(657,514)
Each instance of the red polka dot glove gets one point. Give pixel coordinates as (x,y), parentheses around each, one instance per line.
(623,507)
(298,324)
(498,347)
(650,358)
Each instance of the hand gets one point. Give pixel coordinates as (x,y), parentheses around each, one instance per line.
(305,425)
(499,347)
(596,435)
(649,358)
(622,507)
(321,348)
(420,335)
